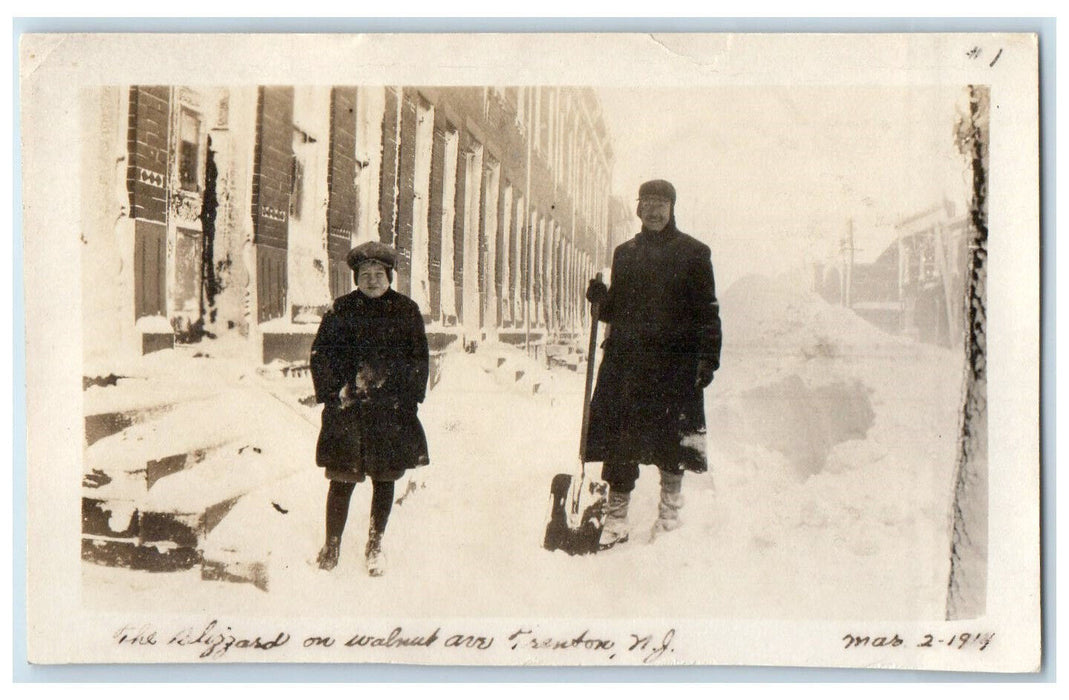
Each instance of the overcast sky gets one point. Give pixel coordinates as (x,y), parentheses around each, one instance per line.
(771,176)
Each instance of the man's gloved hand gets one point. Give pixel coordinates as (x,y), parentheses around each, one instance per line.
(346,398)
(704,375)
(597,292)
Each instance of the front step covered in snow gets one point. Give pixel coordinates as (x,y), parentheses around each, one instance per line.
(284,514)
(116,533)
(511,366)
(567,355)
(114,403)
(159,476)
(160,523)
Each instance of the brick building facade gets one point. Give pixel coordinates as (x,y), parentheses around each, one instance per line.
(232,209)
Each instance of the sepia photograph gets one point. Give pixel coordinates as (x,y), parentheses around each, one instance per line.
(632,352)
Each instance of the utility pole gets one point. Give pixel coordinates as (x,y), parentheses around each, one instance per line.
(939,234)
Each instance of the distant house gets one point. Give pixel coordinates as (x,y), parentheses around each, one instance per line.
(915,286)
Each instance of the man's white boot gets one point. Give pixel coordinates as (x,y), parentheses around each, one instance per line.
(670,504)
(616,529)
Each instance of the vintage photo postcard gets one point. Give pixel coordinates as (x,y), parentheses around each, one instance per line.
(518,349)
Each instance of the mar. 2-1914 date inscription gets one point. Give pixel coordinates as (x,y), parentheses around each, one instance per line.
(961,640)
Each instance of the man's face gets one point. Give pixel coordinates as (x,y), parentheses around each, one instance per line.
(654,212)
(371,279)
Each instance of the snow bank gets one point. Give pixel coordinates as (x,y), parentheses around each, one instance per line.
(833,446)
(781,317)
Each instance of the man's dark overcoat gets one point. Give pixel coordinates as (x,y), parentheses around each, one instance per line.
(378,347)
(664,319)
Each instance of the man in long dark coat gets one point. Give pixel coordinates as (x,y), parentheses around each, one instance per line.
(370,366)
(662,349)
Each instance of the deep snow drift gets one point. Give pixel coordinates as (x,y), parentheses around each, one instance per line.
(831,449)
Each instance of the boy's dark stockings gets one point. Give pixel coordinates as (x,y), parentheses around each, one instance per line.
(338,497)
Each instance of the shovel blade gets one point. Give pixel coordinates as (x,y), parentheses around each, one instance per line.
(576,514)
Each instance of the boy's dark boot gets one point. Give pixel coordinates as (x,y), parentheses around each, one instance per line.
(376,560)
(328,555)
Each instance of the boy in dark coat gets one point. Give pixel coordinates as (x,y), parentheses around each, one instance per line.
(661,352)
(369,366)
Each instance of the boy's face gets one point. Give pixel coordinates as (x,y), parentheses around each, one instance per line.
(372,280)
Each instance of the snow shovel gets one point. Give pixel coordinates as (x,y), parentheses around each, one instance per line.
(577,502)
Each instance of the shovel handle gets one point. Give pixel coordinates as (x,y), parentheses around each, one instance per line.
(591,353)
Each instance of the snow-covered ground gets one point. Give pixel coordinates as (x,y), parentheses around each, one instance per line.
(831,451)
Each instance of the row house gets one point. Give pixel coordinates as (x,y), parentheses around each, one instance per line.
(231,210)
